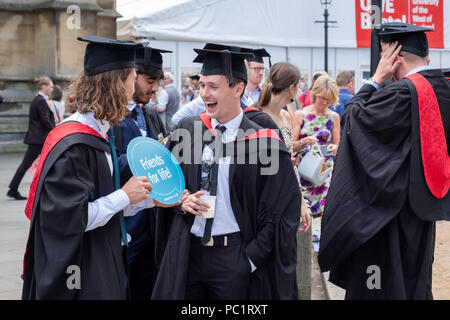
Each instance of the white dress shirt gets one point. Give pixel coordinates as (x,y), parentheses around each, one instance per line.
(224,219)
(193,108)
(103,209)
(163,98)
(250,98)
(43,95)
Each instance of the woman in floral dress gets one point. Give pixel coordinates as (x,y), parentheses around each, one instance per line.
(315,126)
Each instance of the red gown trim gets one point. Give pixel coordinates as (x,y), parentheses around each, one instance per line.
(53,138)
(435,158)
(247,109)
(263,133)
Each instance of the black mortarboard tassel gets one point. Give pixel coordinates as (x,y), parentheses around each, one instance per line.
(411,37)
(103,54)
(224,60)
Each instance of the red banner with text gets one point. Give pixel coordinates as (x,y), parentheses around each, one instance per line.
(427,13)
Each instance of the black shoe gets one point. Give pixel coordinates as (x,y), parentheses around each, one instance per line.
(16,195)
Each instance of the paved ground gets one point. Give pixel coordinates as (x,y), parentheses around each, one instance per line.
(14,232)
(13,229)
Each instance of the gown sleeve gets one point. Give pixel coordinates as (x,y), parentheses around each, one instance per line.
(278,217)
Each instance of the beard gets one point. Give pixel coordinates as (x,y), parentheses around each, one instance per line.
(140,96)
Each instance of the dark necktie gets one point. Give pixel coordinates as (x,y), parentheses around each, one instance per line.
(116,178)
(140,117)
(214,172)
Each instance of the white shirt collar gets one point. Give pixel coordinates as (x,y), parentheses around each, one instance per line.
(418,69)
(232,126)
(43,95)
(131,105)
(101,126)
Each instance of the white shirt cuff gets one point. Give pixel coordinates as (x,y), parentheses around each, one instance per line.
(132,209)
(252,265)
(103,209)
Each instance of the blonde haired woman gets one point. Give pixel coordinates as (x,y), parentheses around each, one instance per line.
(316,126)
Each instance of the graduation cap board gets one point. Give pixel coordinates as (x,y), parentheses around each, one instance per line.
(150,58)
(411,37)
(259,54)
(103,54)
(224,60)
(195,77)
(148,157)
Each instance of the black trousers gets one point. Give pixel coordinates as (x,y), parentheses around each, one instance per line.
(141,274)
(33,151)
(218,272)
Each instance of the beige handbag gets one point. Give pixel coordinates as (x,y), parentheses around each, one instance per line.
(313,168)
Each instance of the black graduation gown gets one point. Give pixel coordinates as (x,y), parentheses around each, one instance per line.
(154,122)
(75,172)
(263,120)
(267,209)
(379,211)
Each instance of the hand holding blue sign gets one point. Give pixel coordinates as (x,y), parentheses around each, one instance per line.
(149,158)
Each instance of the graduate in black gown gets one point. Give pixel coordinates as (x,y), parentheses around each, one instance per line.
(392,175)
(76,205)
(248,250)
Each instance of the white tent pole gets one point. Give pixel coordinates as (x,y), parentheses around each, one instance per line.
(177,67)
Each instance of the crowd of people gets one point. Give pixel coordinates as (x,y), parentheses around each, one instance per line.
(88,210)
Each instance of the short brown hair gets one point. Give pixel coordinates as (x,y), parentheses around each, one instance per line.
(327,86)
(344,78)
(42,81)
(103,93)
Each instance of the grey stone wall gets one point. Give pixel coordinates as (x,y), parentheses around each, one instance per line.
(38,37)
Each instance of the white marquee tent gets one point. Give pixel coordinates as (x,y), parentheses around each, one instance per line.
(286,28)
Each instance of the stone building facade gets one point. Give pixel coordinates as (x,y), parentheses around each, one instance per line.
(38,37)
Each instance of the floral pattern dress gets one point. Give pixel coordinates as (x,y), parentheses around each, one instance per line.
(321,127)
(287,137)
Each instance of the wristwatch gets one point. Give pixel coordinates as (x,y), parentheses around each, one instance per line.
(374,83)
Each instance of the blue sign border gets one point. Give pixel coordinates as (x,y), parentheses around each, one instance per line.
(167,198)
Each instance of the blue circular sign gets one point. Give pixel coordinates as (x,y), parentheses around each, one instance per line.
(148,157)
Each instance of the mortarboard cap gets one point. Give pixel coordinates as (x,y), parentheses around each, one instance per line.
(195,77)
(150,59)
(411,37)
(259,55)
(104,54)
(224,60)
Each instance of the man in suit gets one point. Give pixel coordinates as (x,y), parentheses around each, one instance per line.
(145,122)
(40,122)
